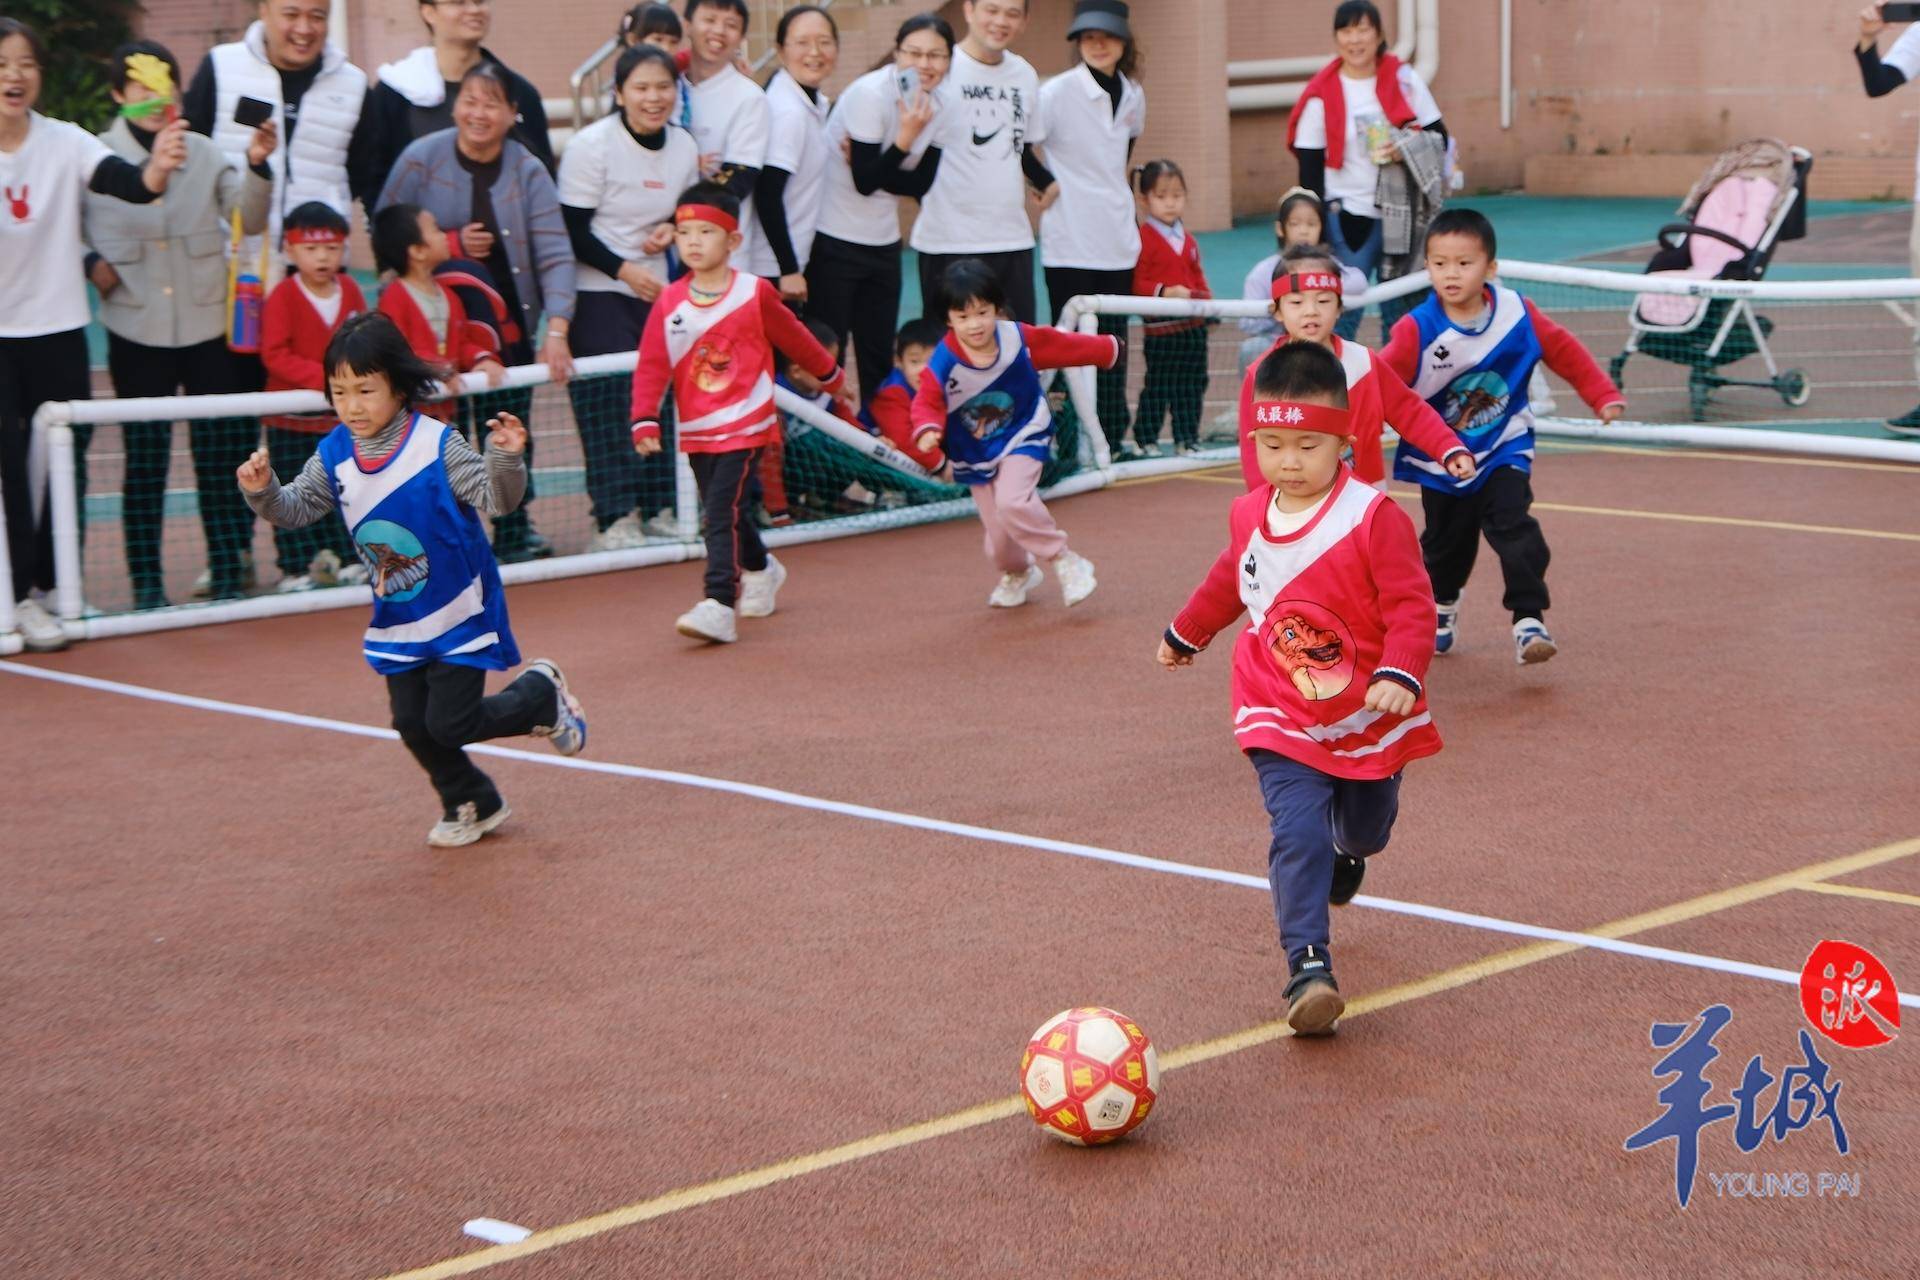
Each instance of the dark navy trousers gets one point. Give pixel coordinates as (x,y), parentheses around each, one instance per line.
(1310,812)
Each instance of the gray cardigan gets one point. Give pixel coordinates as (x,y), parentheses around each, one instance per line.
(171,254)
(527,204)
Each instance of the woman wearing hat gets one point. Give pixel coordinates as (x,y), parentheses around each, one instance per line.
(1089,239)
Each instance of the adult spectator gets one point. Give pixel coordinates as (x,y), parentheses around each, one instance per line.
(414,96)
(1882,76)
(1341,131)
(977,206)
(317,98)
(162,277)
(476,177)
(45,167)
(726,111)
(1090,239)
(618,183)
(793,181)
(884,144)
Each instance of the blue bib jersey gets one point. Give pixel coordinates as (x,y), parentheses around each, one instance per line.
(995,412)
(436,587)
(1477,383)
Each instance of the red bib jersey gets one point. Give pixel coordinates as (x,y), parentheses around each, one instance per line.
(1334,605)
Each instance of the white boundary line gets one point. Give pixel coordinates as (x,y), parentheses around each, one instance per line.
(964,830)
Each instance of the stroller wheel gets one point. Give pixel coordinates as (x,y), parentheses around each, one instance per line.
(1794,387)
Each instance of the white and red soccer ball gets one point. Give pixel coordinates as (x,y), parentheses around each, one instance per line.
(1089,1075)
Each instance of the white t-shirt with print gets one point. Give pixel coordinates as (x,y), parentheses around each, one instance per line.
(41,253)
(630,188)
(978,203)
(796,142)
(1904,57)
(869,111)
(730,122)
(1353,183)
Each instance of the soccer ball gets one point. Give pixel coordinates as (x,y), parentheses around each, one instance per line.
(1089,1075)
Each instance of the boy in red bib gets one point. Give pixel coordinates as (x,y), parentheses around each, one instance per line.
(1327,675)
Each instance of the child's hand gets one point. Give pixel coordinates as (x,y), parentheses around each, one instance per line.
(1170,657)
(1461,466)
(1612,412)
(1389,697)
(647,446)
(1176,291)
(506,433)
(495,371)
(256,473)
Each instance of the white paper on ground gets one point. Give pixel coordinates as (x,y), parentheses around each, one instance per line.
(495,1231)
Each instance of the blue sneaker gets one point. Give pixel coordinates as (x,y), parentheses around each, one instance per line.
(568,732)
(1531,643)
(1449,614)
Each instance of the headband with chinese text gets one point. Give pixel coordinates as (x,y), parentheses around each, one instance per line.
(706,213)
(1286,415)
(314,235)
(1306,282)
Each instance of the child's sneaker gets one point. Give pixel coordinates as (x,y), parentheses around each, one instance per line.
(1314,1003)
(1531,643)
(1011,591)
(1076,577)
(757,589)
(710,621)
(1348,872)
(624,534)
(1449,618)
(297,582)
(466,824)
(568,732)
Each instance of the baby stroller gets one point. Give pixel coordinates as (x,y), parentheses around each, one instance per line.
(1752,197)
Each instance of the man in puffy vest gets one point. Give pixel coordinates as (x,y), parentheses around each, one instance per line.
(285,60)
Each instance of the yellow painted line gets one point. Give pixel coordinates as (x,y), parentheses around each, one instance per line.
(1198,474)
(1774,460)
(1862,891)
(1184,1056)
(1682,517)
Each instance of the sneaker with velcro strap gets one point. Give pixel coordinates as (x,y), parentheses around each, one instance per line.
(1314,1003)
(1447,618)
(466,824)
(1531,642)
(568,732)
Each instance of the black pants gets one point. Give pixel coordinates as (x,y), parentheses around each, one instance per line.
(1015,269)
(1110,385)
(618,480)
(294,549)
(854,289)
(733,540)
(219,446)
(440,707)
(49,366)
(1175,386)
(1502,509)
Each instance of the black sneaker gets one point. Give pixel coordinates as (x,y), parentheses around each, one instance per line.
(1314,1004)
(1907,424)
(1348,872)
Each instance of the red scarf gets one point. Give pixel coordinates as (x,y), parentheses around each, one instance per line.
(1325,85)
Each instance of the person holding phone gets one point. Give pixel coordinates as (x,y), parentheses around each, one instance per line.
(885,144)
(1881,76)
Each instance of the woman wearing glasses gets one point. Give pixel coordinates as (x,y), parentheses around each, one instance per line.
(884,132)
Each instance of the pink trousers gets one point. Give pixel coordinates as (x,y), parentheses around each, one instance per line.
(1019,528)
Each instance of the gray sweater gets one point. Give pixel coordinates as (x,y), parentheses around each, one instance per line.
(493,486)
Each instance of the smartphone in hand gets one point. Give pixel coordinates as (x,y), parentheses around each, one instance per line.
(1900,13)
(251,113)
(907,80)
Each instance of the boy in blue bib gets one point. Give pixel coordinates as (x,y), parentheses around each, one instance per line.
(412,491)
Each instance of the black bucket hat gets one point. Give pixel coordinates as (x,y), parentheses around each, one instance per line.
(1109,16)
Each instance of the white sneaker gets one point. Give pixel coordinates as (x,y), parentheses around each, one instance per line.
(298,582)
(249,578)
(710,621)
(352,575)
(1011,592)
(757,590)
(1076,577)
(39,630)
(664,524)
(466,826)
(623,534)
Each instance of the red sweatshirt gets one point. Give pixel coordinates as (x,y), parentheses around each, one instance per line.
(458,348)
(1161,268)
(1335,605)
(718,356)
(890,415)
(293,345)
(1377,398)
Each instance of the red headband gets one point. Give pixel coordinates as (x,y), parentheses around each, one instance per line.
(1289,416)
(1310,282)
(313,235)
(706,213)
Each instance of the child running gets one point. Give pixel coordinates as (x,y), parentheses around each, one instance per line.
(981,402)
(411,489)
(1176,349)
(1329,705)
(1306,302)
(1471,350)
(1300,219)
(711,335)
